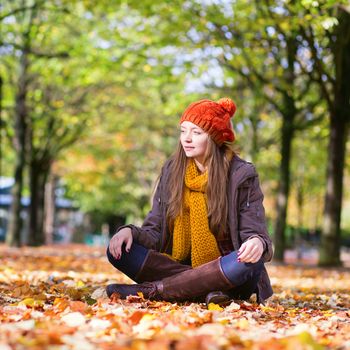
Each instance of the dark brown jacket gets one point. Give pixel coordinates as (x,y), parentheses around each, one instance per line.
(246,216)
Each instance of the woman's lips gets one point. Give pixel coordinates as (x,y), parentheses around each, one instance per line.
(188,148)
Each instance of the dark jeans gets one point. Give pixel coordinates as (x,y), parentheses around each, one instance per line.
(245,276)
(142,264)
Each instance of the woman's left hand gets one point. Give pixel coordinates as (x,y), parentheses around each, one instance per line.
(251,251)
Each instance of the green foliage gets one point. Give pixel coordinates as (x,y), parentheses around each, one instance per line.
(125,71)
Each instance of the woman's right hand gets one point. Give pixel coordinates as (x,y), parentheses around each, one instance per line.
(117,241)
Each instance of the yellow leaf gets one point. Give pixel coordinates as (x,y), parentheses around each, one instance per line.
(267,308)
(148,317)
(224,321)
(80,284)
(31,302)
(27,302)
(303,340)
(214,307)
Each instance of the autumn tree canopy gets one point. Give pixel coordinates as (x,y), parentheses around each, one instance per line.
(92,92)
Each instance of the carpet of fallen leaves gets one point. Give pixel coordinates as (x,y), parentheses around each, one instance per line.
(52,298)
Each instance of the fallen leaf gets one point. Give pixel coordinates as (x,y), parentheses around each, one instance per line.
(74,319)
(214,307)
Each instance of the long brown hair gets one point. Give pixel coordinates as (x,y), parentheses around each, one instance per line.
(217,161)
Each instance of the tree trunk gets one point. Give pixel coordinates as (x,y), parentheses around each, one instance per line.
(114,221)
(283,188)
(288,113)
(49,209)
(1,126)
(13,237)
(330,240)
(38,177)
(300,207)
(300,204)
(339,132)
(254,151)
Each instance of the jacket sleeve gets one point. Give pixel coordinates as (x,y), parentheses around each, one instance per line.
(251,221)
(149,234)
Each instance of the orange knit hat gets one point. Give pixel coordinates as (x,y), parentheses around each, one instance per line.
(213,117)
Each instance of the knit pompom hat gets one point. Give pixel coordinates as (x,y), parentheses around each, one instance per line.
(213,117)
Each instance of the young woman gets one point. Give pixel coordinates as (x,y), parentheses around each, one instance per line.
(205,237)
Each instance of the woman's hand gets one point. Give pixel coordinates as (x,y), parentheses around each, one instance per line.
(251,251)
(116,242)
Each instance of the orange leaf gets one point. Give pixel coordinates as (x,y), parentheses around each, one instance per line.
(136,317)
(78,306)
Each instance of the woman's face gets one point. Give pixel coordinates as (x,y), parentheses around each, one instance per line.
(194,141)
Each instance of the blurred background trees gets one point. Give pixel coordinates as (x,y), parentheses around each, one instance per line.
(92,94)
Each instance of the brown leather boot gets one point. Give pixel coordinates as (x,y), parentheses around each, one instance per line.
(158,266)
(194,283)
(148,289)
(189,284)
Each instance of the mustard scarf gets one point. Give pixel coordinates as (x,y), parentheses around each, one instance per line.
(191,229)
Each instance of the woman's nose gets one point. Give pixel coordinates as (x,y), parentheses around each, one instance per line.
(188,137)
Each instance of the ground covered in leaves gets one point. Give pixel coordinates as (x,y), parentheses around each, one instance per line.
(52,298)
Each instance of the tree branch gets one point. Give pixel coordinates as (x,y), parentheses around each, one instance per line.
(310,38)
(15,11)
(251,83)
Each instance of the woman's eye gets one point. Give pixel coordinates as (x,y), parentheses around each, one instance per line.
(197,132)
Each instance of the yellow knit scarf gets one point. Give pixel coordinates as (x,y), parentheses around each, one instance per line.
(191,229)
